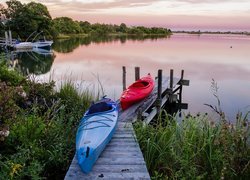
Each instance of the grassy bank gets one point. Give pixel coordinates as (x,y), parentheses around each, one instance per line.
(94,35)
(38,126)
(67,36)
(196,148)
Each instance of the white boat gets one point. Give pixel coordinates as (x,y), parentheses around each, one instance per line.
(42,51)
(42,44)
(23,45)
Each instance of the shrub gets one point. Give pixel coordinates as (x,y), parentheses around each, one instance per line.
(42,125)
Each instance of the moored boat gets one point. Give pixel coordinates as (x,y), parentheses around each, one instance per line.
(137,91)
(43,44)
(23,45)
(95,131)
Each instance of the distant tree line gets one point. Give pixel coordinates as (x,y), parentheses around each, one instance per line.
(23,19)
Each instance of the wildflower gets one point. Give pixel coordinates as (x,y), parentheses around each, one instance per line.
(4,133)
(14,169)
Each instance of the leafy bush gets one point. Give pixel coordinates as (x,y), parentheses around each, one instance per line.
(8,107)
(10,77)
(42,125)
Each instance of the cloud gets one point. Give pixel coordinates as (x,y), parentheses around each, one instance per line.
(209,1)
(98,5)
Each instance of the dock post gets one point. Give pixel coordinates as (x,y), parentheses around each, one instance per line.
(123,77)
(171,85)
(159,91)
(6,38)
(137,73)
(180,93)
(171,79)
(10,38)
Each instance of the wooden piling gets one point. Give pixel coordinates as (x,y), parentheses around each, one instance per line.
(124,77)
(180,92)
(171,79)
(6,38)
(171,94)
(159,91)
(10,37)
(137,73)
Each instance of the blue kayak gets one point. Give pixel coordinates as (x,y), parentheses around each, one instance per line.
(95,131)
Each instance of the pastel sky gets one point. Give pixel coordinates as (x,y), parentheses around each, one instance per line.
(214,15)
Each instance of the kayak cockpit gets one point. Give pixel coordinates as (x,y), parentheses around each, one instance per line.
(99,107)
(140,84)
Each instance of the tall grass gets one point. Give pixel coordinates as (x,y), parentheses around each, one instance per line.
(196,148)
(41,142)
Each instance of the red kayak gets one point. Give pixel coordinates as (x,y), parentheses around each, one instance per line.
(137,91)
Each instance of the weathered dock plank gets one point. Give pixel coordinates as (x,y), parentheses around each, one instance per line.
(121,159)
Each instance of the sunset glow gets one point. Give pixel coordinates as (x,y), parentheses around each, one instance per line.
(224,15)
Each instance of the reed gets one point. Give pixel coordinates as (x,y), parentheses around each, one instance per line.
(196,148)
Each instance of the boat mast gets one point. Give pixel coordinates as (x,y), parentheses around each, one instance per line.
(30,36)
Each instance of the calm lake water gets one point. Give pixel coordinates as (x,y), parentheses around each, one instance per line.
(224,58)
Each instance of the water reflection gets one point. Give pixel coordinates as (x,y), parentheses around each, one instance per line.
(35,61)
(224,58)
(68,45)
(204,57)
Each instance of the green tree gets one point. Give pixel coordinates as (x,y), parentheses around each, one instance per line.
(66,25)
(102,29)
(2,27)
(85,26)
(123,28)
(23,19)
(41,18)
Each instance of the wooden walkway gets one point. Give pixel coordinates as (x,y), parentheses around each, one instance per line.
(121,159)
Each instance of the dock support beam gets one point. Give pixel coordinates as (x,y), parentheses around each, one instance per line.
(172,96)
(10,38)
(6,38)
(180,92)
(123,77)
(137,73)
(171,79)
(159,91)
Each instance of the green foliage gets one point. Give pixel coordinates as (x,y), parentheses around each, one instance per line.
(23,19)
(10,93)
(123,28)
(8,107)
(196,147)
(1,25)
(42,125)
(66,25)
(85,26)
(10,77)
(28,129)
(72,99)
(20,165)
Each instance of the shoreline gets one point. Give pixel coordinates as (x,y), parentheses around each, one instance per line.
(212,32)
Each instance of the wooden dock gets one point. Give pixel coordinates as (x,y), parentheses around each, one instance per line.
(122,158)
